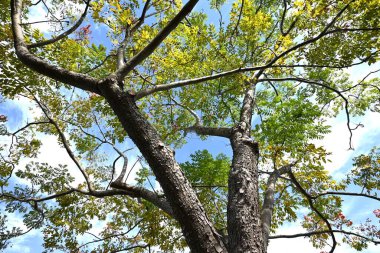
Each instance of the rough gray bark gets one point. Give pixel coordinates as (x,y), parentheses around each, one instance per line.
(243,211)
(244,228)
(200,234)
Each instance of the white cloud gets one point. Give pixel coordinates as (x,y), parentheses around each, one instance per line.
(337,142)
(21,244)
(39,13)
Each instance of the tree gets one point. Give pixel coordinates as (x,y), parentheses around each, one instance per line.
(265,75)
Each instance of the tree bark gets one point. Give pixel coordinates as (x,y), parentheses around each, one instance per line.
(199,232)
(243,210)
(243,213)
(269,201)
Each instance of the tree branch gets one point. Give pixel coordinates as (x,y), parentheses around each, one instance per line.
(128,32)
(284,33)
(149,49)
(64,141)
(192,112)
(100,64)
(320,84)
(182,83)
(311,204)
(211,131)
(346,194)
(120,189)
(269,201)
(64,34)
(41,66)
(308,234)
(139,192)
(111,236)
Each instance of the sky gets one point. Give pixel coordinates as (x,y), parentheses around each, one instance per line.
(336,142)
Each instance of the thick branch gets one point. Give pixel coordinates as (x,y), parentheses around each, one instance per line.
(269,200)
(149,49)
(247,107)
(140,192)
(198,80)
(64,34)
(211,131)
(199,232)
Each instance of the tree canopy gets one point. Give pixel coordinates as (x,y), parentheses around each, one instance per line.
(121,85)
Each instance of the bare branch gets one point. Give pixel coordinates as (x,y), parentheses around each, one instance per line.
(308,234)
(100,64)
(142,17)
(64,34)
(192,112)
(120,178)
(28,125)
(235,30)
(326,65)
(146,92)
(344,30)
(64,141)
(132,247)
(345,194)
(123,189)
(111,236)
(284,33)
(36,200)
(311,204)
(45,21)
(182,83)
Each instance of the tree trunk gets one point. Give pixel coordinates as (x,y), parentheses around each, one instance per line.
(199,232)
(243,212)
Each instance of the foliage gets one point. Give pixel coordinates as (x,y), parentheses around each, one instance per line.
(300,88)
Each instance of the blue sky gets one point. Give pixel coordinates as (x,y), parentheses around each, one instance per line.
(336,142)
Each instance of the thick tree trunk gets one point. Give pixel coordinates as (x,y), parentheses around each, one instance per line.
(244,227)
(243,210)
(198,230)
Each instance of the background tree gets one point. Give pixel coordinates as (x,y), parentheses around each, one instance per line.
(265,75)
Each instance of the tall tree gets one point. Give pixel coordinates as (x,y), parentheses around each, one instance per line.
(265,75)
